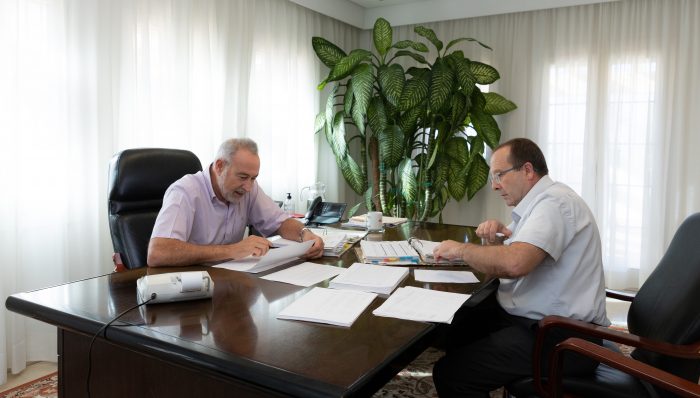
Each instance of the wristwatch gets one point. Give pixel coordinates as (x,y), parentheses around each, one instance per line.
(301,234)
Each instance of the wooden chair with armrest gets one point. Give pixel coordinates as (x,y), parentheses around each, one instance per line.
(664,328)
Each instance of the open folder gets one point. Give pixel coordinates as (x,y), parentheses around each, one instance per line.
(274,257)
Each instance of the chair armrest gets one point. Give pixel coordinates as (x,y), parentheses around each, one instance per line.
(603,332)
(620,295)
(658,377)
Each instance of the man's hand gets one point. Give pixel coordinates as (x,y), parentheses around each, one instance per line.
(490,230)
(252,245)
(450,250)
(316,250)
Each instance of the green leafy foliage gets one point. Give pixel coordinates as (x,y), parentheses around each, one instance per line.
(422,131)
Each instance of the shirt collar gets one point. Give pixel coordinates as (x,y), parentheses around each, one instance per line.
(541,185)
(210,187)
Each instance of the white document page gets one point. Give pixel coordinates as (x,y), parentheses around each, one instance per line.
(370,278)
(418,304)
(305,274)
(434,275)
(335,307)
(273,258)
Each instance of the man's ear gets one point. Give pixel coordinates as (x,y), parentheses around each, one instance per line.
(529,170)
(219,166)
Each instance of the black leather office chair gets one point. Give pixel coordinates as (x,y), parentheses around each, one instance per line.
(138,179)
(664,326)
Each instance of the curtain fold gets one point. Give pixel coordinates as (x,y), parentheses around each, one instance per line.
(83,79)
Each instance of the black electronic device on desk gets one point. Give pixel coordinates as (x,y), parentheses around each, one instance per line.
(324,212)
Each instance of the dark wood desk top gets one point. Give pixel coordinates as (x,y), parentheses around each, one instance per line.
(236,334)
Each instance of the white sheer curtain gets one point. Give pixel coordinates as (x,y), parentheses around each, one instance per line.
(609,93)
(83,79)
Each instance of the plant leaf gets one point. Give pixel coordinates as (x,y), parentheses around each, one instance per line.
(456,179)
(368,199)
(465,77)
(391,146)
(338,144)
(484,74)
(359,119)
(459,109)
(330,101)
(443,165)
(320,121)
(415,90)
(440,85)
(430,35)
(382,36)
(409,119)
(417,57)
(326,51)
(477,176)
(418,46)
(346,64)
(347,98)
(486,126)
(457,150)
(353,210)
(496,104)
(362,81)
(352,173)
(391,81)
(409,184)
(455,41)
(376,115)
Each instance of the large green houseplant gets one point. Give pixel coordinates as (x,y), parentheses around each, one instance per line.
(421,131)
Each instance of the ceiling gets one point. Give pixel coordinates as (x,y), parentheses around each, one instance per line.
(363,13)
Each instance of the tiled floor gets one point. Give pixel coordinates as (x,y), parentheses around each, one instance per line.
(617,313)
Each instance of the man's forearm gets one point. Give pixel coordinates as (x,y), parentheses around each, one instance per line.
(172,252)
(291,229)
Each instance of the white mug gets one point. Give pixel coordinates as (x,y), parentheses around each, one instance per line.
(374,221)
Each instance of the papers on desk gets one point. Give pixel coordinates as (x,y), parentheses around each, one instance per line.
(273,258)
(334,307)
(361,221)
(442,276)
(335,241)
(305,274)
(370,278)
(388,252)
(425,305)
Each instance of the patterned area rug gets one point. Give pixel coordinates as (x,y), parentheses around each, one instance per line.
(43,387)
(416,380)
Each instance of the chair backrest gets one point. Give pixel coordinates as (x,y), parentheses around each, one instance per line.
(138,179)
(667,306)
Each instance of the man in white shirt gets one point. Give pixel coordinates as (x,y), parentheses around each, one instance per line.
(550,264)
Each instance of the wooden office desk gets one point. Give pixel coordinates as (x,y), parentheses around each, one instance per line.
(232,345)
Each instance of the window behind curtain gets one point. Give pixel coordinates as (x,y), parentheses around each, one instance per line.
(612,170)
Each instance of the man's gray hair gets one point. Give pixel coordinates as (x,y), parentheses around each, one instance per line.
(229,148)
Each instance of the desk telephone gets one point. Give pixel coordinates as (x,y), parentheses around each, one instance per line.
(321,212)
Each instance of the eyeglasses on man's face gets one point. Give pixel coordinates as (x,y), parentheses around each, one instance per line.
(496,177)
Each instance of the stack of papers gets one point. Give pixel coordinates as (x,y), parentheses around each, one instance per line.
(273,258)
(334,307)
(361,221)
(425,305)
(370,278)
(388,252)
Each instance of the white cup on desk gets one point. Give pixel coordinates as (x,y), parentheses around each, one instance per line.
(374,221)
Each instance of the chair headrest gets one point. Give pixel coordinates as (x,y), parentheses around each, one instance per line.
(139,177)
